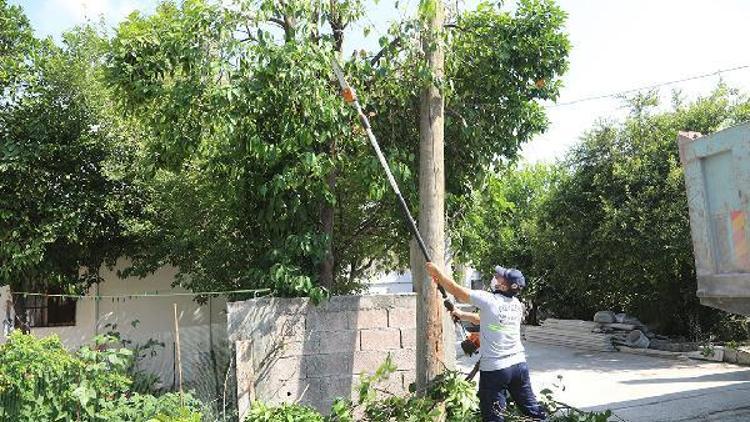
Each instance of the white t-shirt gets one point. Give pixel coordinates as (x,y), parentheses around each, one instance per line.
(500,330)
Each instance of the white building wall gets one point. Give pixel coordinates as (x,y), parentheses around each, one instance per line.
(395,282)
(200,325)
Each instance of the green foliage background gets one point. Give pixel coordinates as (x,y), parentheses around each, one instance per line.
(608,227)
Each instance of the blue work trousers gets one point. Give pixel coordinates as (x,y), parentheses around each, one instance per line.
(515,380)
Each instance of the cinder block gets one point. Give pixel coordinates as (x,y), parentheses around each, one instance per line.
(287,368)
(244,374)
(408,338)
(261,322)
(409,377)
(309,390)
(381,339)
(368,361)
(245,321)
(338,341)
(321,320)
(290,325)
(298,352)
(340,303)
(336,387)
(743,356)
(371,318)
(274,391)
(263,351)
(405,359)
(405,300)
(330,365)
(730,355)
(309,346)
(394,384)
(402,318)
(246,305)
(377,302)
(294,306)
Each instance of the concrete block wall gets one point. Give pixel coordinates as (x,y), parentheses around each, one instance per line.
(289,350)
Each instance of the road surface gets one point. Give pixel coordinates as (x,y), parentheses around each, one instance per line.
(640,388)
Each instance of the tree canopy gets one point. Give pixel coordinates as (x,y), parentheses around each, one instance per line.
(211,136)
(248,143)
(17,44)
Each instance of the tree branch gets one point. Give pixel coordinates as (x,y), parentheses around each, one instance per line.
(365,266)
(361,227)
(278,22)
(396,41)
(457,114)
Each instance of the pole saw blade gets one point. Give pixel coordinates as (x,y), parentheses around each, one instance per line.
(346,91)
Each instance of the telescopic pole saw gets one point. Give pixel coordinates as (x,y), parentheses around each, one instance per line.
(351,97)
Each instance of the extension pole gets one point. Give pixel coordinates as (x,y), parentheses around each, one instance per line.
(351,97)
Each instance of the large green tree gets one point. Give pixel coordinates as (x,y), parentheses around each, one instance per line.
(500,226)
(60,208)
(17,44)
(614,234)
(260,174)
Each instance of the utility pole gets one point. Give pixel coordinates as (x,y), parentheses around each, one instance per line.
(431,327)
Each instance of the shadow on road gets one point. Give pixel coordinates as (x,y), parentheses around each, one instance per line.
(726,403)
(742,375)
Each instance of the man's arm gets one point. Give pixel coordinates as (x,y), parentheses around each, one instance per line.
(459,292)
(466,316)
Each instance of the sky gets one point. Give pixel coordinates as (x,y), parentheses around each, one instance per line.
(616,46)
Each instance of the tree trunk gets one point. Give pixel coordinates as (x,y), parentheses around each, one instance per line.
(327,214)
(431,350)
(326,219)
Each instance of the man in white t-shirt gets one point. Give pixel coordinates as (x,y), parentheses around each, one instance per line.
(502,363)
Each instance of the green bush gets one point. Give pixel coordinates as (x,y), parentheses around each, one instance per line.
(40,381)
(287,412)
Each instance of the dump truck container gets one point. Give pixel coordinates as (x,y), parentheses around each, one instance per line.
(717,178)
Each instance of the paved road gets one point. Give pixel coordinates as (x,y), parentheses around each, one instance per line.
(641,388)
